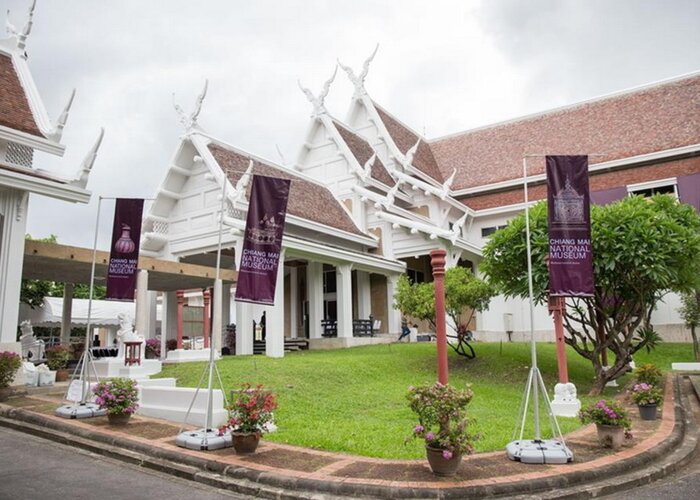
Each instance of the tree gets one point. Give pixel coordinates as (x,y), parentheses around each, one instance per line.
(642,249)
(690,312)
(463,291)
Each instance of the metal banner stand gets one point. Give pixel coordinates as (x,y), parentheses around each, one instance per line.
(537,450)
(208,438)
(85,367)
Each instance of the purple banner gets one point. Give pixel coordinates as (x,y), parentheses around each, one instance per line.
(569,218)
(257,273)
(607,196)
(124,252)
(689,190)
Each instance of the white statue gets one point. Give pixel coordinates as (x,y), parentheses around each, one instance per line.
(32,348)
(126,333)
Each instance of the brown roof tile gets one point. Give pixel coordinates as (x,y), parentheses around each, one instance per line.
(362,151)
(33,173)
(639,122)
(405,139)
(307,200)
(15,112)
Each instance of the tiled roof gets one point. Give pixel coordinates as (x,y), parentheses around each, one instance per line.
(639,122)
(405,139)
(39,174)
(362,151)
(15,112)
(307,199)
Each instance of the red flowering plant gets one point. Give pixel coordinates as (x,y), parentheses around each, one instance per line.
(250,410)
(442,418)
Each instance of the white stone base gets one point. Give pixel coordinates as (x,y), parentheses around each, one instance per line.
(342,342)
(188,355)
(107,368)
(686,367)
(171,403)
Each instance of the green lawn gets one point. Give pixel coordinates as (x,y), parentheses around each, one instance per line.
(353,400)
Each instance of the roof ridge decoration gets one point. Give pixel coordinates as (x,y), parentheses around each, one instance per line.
(190,122)
(317,101)
(21,36)
(86,167)
(359,80)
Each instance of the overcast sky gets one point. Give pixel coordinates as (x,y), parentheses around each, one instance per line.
(442,67)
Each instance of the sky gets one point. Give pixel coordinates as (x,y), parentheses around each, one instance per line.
(442,67)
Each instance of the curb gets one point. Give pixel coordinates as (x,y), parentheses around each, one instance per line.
(642,468)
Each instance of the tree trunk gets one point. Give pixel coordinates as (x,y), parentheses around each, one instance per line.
(696,347)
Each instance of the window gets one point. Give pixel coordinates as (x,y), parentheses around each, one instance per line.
(329,281)
(488,231)
(415,276)
(648,189)
(192,321)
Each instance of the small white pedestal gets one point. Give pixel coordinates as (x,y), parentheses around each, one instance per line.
(187,355)
(685,367)
(114,367)
(565,402)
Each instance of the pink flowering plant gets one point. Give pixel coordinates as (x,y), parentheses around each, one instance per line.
(117,395)
(442,418)
(250,410)
(645,394)
(10,362)
(153,348)
(606,413)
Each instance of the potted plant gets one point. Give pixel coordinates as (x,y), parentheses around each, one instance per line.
(152,348)
(442,424)
(57,358)
(250,414)
(119,397)
(647,398)
(10,362)
(648,374)
(611,420)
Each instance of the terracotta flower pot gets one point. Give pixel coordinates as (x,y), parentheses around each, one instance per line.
(647,412)
(245,443)
(440,465)
(118,418)
(62,374)
(610,436)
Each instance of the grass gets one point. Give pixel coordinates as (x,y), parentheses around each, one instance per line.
(354,400)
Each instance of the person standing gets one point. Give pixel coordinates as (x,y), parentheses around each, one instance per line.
(405,331)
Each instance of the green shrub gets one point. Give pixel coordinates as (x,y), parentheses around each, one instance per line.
(9,364)
(648,374)
(57,357)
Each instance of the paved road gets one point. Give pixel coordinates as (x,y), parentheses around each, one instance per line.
(32,468)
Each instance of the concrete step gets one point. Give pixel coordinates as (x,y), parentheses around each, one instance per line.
(171,403)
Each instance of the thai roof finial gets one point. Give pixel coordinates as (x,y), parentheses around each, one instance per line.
(88,162)
(22,37)
(242,184)
(448,184)
(408,156)
(191,121)
(457,227)
(63,118)
(317,101)
(359,80)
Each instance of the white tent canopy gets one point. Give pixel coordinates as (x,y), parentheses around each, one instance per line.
(104,312)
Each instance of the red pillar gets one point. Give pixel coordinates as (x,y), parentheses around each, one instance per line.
(437,261)
(180,312)
(207,324)
(556,309)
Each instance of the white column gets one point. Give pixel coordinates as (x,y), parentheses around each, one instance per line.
(13,225)
(274,318)
(364,295)
(66,313)
(168,323)
(393,314)
(293,303)
(152,301)
(343,276)
(244,328)
(314,286)
(142,303)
